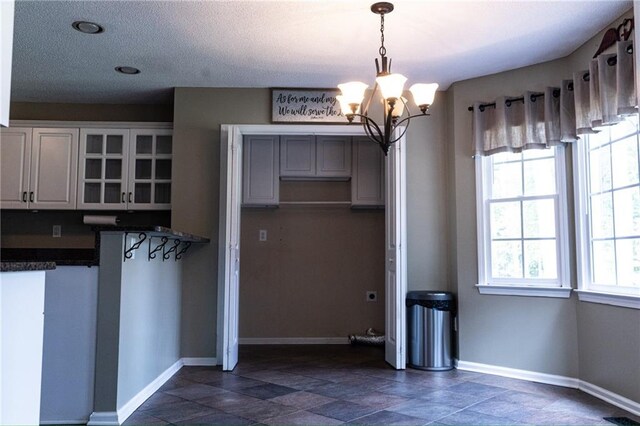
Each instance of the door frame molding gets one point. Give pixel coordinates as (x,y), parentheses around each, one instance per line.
(233,133)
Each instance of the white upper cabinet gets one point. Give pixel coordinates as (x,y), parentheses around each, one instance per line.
(39,168)
(103,169)
(367,181)
(333,156)
(15,164)
(313,158)
(150,169)
(122,169)
(297,156)
(260,182)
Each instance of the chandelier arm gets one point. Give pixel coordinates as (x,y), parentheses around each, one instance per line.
(410,117)
(401,134)
(365,111)
(368,124)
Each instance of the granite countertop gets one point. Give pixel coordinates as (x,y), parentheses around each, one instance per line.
(155,231)
(59,256)
(26,266)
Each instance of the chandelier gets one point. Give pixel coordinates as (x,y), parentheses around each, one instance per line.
(396,110)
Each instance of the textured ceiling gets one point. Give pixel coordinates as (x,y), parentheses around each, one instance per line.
(281,43)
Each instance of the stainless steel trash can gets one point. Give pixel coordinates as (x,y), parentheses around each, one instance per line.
(429,319)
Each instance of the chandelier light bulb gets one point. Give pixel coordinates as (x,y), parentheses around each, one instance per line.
(352,92)
(346,108)
(391,85)
(424,94)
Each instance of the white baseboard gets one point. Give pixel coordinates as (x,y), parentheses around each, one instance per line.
(551,379)
(103,418)
(294,340)
(132,405)
(113,418)
(610,397)
(199,362)
(514,373)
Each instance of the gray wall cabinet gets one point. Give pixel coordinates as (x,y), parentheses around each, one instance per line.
(315,157)
(260,183)
(367,180)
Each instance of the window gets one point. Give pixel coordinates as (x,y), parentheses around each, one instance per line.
(607,185)
(522,231)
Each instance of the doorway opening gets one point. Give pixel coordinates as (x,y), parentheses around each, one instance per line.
(230,237)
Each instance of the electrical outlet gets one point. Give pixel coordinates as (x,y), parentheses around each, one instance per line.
(262,235)
(372,296)
(57,231)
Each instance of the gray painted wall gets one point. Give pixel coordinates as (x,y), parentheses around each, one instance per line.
(596,343)
(69,349)
(138,325)
(198,114)
(149,321)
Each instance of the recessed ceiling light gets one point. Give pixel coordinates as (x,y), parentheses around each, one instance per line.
(87,27)
(128,70)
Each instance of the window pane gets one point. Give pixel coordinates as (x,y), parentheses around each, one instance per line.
(93,168)
(163,144)
(163,193)
(627,127)
(602,216)
(144,144)
(604,263)
(507,180)
(540,177)
(627,212)
(143,193)
(538,153)
(506,259)
(600,169)
(505,220)
(540,259)
(143,169)
(628,253)
(113,169)
(112,193)
(91,193)
(624,155)
(114,144)
(600,138)
(163,169)
(539,219)
(503,157)
(94,144)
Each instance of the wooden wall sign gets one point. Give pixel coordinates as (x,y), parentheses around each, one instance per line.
(306,106)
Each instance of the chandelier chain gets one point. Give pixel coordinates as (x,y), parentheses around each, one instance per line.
(382,50)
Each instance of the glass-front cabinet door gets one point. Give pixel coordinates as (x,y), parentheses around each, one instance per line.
(103,169)
(150,169)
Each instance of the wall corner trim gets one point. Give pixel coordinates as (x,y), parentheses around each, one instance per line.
(132,405)
(199,362)
(103,418)
(552,379)
(113,418)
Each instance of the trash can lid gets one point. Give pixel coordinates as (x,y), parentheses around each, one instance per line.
(429,295)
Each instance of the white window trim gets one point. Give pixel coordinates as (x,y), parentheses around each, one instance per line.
(519,287)
(583,266)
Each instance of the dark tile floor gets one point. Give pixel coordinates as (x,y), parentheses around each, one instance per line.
(329,385)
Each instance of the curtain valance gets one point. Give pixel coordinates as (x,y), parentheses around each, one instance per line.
(599,96)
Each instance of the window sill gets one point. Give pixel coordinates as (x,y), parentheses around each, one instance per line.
(623,300)
(512,290)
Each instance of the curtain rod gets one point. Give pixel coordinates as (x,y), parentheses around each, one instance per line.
(611,61)
(508,102)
